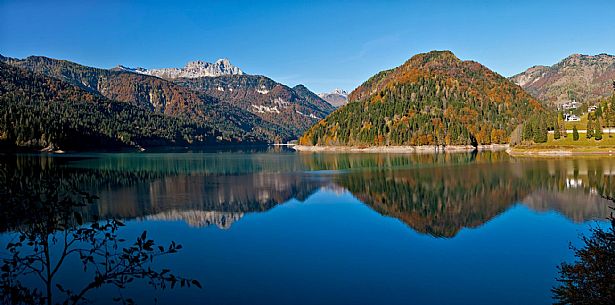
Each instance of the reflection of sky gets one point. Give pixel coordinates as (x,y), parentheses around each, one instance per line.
(333,249)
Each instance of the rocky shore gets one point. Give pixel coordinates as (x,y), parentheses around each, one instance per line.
(402,149)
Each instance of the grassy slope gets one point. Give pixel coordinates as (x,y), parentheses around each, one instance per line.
(582,142)
(580,125)
(583,145)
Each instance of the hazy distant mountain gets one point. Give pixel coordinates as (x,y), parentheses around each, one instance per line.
(432,99)
(192,69)
(337,97)
(578,77)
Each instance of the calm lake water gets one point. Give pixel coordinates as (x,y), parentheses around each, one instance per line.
(278,227)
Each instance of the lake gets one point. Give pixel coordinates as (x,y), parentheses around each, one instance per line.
(279,227)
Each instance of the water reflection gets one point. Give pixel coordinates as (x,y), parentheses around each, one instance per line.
(441,200)
(433,194)
(314,221)
(43,211)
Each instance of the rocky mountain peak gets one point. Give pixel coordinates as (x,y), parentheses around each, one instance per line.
(193,69)
(339,91)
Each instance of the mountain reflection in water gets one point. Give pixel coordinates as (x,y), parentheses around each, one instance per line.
(432,194)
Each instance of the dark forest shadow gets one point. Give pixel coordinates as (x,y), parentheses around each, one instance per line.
(591,278)
(44,215)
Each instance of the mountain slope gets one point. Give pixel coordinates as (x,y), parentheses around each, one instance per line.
(164,96)
(291,110)
(295,109)
(432,99)
(38,111)
(577,77)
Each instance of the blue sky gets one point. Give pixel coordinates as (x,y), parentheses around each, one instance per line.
(322,44)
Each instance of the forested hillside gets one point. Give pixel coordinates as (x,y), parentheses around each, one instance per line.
(38,111)
(157,95)
(432,99)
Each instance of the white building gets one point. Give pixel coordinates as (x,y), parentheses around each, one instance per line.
(571,117)
(571,105)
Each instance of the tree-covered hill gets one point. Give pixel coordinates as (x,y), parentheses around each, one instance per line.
(432,99)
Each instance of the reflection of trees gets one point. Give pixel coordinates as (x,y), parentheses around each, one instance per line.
(165,164)
(49,230)
(440,200)
(141,190)
(441,196)
(354,161)
(436,193)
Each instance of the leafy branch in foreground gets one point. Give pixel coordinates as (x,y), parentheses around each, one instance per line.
(591,279)
(53,230)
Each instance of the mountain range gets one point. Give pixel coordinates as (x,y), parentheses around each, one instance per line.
(433,98)
(254,109)
(584,78)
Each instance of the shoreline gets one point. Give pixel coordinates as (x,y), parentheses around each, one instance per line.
(560,151)
(425,149)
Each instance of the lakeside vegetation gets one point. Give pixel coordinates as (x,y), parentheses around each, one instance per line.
(592,134)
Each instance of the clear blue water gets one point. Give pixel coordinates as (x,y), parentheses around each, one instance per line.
(288,228)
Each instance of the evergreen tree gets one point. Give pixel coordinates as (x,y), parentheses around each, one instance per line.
(575,133)
(541,132)
(528,133)
(590,126)
(598,130)
(612,107)
(556,129)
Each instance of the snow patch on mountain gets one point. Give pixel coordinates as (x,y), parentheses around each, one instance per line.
(263,109)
